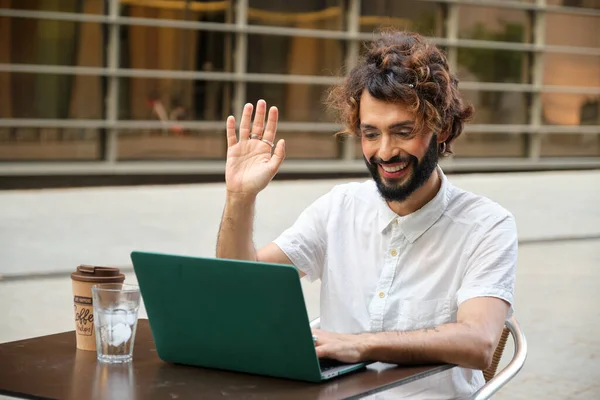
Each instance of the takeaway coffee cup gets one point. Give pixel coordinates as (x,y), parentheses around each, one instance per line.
(83,279)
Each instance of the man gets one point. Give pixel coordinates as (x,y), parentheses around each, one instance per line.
(412,268)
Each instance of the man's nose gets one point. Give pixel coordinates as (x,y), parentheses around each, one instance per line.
(388,149)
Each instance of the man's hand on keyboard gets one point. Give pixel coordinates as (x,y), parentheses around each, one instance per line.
(339,346)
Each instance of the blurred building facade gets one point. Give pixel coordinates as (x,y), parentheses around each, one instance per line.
(144,86)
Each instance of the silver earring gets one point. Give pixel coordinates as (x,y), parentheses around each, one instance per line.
(442,147)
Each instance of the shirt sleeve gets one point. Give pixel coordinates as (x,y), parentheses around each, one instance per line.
(491,266)
(305,242)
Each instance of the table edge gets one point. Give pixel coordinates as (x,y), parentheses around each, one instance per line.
(20,395)
(401,382)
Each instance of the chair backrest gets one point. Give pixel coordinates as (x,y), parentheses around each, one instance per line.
(495,381)
(491,370)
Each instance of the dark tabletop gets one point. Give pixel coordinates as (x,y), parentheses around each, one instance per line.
(52,367)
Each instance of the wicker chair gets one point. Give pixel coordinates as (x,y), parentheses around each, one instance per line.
(495,381)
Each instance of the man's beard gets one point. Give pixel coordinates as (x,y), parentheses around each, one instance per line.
(421,171)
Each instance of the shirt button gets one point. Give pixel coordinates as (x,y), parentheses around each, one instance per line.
(394,253)
(381,294)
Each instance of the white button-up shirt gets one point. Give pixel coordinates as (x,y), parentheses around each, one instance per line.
(383,272)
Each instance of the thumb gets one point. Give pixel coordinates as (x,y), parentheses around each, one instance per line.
(278,155)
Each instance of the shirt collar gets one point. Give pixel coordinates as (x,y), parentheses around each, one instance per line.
(418,222)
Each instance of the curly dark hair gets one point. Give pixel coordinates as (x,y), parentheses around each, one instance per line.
(404,67)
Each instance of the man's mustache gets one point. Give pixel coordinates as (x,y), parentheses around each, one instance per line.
(393,160)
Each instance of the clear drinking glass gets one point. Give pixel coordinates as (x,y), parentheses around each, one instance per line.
(116,308)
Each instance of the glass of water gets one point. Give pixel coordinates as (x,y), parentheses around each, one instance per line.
(116,308)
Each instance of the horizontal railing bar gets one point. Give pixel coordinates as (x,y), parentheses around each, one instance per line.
(289,166)
(268,78)
(284,126)
(284,31)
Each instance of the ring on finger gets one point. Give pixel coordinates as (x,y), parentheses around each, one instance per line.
(268,142)
(255,136)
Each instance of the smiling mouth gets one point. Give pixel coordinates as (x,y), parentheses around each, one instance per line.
(394,168)
(394,171)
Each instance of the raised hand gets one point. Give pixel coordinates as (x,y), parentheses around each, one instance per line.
(254,159)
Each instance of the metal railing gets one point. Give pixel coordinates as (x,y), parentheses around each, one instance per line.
(239,77)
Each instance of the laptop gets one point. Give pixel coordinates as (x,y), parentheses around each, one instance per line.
(231,315)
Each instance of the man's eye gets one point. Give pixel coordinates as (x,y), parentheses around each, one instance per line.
(407,133)
(370,135)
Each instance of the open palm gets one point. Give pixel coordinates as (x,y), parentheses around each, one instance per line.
(253,160)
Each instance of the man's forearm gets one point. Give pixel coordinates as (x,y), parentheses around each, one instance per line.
(455,343)
(235,233)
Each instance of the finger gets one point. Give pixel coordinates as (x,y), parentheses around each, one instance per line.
(271,128)
(259,118)
(231,138)
(322,352)
(278,156)
(245,122)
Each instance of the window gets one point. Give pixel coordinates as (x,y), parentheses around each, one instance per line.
(72,6)
(296,102)
(50,42)
(498,107)
(171,145)
(593,4)
(423,17)
(570,109)
(294,55)
(144,47)
(493,24)
(490,145)
(310,145)
(571,70)
(572,30)
(306,14)
(569,96)
(51,96)
(194,10)
(570,145)
(490,65)
(173,99)
(149,47)
(49,144)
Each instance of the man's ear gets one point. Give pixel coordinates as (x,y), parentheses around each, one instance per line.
(442,136)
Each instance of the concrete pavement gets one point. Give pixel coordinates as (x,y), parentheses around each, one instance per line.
(55,230)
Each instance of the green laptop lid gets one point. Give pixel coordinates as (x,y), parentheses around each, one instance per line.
(227,314)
